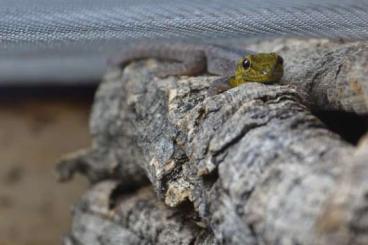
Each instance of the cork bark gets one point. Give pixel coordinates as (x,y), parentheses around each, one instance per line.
(253,165)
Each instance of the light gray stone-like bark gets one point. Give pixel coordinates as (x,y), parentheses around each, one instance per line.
(134,219)
(333,74)
(255,165)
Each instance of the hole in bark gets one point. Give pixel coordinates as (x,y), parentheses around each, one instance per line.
(117,194)
(192,242)
(349,126)
(211,178)
(188,213)
(186,207)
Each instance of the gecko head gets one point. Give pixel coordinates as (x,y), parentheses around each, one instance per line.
(261,67)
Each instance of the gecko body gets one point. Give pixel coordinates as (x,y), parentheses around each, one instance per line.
(234,65)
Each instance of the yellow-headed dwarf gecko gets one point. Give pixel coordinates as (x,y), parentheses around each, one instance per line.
(234,65)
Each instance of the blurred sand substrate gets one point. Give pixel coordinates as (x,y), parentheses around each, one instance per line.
(34,133)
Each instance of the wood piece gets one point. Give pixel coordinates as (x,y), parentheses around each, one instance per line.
(256,164)
(137,219)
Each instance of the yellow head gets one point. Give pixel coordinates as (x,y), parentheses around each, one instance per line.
(261,67)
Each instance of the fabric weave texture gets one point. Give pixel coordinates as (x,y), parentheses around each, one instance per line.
(69,40)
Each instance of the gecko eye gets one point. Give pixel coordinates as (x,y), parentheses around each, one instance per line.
(246,63)
(280,60)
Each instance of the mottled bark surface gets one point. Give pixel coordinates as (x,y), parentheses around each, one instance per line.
(252,165)
(334,75)
(135,218)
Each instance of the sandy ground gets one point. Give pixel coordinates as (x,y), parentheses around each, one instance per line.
(34,207)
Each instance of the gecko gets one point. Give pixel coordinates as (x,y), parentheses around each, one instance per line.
(235,66)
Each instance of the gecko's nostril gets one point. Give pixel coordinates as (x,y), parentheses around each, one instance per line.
(280,60)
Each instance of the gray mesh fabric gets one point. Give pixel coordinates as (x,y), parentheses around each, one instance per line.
(68,40)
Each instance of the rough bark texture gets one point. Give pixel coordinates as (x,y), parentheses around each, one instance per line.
(333,74)
(137,218)
(252,165)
